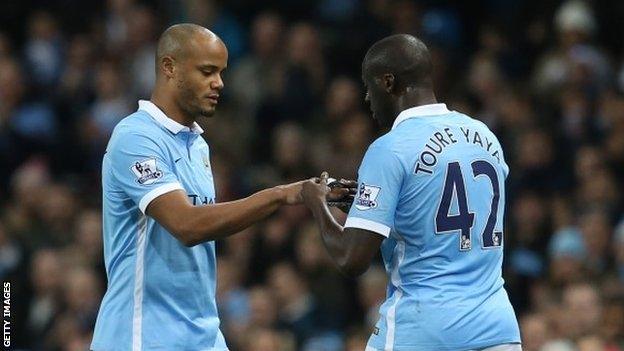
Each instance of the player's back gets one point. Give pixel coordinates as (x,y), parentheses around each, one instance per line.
(445,250)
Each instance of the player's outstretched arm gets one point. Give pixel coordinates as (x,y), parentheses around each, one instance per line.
(352,249)
(196,224)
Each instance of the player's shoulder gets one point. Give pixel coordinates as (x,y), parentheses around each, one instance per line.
(136,127)
(398,138)
(139,122)
(475,123)
(385,148)
(386,142)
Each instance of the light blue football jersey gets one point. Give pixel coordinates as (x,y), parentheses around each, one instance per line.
(161,294)
(434,186)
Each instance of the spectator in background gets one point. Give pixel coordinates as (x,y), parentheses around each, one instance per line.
(568,257)
(268,340)
(23,215)
(340,150)
(289,151)
(582,301)
(140,48)
(372,293)
(45,304)
(612,326)
(618,250)
(263,309)
(82,294)
(298,310)
(356,340)
(110,104)
(305,72)
(117,18)
(536,332)
(257,77)
(596,230)
(44,50)
(85,249)
(611,112)
(77,77)
(316,267)
(210,14)
(257,81)
(232,297)
(31,122)
(5,45)
(343,99)
(14,261)
(575,58)
(73,328)
(58,211)
(11,255)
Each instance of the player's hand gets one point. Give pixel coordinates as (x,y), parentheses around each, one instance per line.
(315,190)
(292,192)
(342,194)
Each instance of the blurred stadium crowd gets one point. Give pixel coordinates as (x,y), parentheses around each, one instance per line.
(546,76)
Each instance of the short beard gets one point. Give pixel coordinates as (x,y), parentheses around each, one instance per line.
(185,103)
(206,113)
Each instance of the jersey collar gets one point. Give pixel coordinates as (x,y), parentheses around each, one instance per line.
(419,111)
(160,117)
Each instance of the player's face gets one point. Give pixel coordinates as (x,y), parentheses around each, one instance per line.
(200,77)
(379,101)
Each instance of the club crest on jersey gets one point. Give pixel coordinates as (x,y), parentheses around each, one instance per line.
(206,161)
(146,171)
(367,196)
(465,243)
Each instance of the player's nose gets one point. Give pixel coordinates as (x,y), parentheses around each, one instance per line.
(217,84)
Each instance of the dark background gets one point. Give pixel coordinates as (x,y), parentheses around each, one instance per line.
(546,76)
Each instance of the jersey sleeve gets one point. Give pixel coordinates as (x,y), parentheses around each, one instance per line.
(379,182)
(503,162)
(141,169)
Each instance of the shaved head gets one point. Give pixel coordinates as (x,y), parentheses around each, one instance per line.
(402,55)
(176,41)
(397,73)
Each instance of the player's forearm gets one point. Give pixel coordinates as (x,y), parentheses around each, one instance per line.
(216,221)
(332,233)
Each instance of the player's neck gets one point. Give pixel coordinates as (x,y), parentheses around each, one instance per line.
(415,97)
(170,108)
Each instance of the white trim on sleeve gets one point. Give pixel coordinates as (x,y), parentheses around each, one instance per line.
(355,222)
(163,189)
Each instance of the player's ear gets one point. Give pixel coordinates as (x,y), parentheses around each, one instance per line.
(388,82)
(167,66)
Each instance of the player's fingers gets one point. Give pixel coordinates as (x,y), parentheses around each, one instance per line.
(338,193)
(347,200)
(324,177)
(348,183)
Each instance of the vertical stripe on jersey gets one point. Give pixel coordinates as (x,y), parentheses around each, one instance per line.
(137,319)
(398,293)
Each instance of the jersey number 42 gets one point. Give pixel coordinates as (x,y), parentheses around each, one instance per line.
(454,186)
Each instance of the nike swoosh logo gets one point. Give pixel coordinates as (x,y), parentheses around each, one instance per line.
(176,161)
